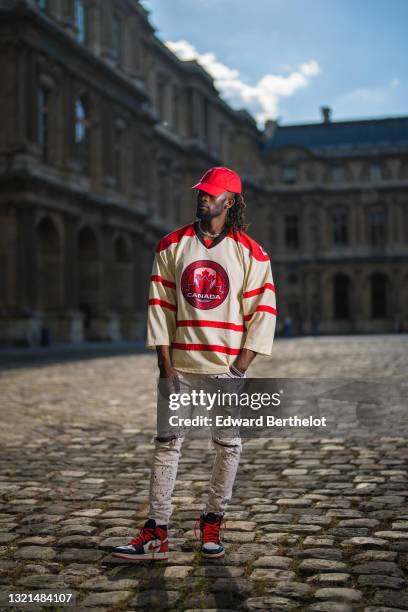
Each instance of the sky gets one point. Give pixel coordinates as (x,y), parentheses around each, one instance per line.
(284,59)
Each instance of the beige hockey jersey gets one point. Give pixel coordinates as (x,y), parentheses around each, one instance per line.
(209,302)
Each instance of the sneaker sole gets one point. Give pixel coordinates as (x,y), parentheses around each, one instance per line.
(149,557)
(213,555)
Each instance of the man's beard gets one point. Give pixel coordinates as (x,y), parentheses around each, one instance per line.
(204,215)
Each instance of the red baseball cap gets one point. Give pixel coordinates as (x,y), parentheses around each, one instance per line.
(219,179)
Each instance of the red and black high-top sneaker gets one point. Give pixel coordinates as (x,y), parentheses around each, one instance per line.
(152,544)
(210,526)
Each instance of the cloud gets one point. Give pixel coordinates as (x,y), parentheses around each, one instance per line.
(367,100)
(261,99)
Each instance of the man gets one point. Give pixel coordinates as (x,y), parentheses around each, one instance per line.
(211,310)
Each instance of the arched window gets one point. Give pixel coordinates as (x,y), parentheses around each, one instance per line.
(81,136)
(378,295)
(341,296)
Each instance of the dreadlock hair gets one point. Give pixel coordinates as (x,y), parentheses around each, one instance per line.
(236,214)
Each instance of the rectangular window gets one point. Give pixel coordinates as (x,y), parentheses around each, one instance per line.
(117,39)
(289,175)
(376,227)
(161,92)
(118,157)
(206,121)
(291,231)
(339,226)
(43,122)
(163,191)
(338,174)
(80,21)
(375,172)
(176,110)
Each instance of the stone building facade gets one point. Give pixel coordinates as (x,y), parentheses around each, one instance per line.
(103,132)
(338,213)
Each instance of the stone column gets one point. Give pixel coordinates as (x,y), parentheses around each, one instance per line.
(106,31)
(22,91)
(107,137)
(68,95)
(71,319)
(326,292)
(196,112)
(144,254)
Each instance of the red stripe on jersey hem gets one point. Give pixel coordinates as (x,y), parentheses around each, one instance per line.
(214,348)
(157,302)
(261,309)
(159,279)
(218,324)
(174,237)
(259,290)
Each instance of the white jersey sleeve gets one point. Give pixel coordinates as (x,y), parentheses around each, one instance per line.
(259,306)
(161,320)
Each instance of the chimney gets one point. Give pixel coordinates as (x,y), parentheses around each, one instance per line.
(326,112)
(270,127)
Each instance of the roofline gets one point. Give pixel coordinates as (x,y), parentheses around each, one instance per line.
(342,122)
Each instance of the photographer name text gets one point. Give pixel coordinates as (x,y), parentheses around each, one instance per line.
(260,421)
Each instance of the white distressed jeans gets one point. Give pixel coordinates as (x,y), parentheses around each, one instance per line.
(165,463)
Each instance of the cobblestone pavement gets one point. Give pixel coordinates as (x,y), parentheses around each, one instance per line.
(314,525)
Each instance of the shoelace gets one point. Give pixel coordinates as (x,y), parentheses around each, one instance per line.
(211,531)
(145,534)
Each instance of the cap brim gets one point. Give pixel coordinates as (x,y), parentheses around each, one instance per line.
(209,188)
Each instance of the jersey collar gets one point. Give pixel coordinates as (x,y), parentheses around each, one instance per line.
(216,241)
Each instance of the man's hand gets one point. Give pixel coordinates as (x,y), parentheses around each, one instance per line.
(169,381)
(243,360)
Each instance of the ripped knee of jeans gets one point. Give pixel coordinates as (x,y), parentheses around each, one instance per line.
(232,443)
(166,439)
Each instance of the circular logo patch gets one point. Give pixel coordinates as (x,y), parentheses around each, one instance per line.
(204,284)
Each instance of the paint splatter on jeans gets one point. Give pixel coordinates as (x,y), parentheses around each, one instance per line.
(165,464)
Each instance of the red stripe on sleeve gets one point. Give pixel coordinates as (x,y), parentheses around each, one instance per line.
(159,279)
(261,309)
(214,348)
(218,324)
(259,290)
(174,237)
(157,302)
(253,247)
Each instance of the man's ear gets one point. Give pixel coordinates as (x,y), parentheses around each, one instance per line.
(230,200)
